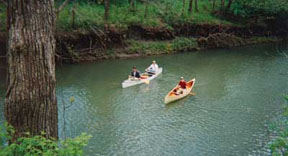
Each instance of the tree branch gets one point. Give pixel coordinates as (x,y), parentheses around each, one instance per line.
(4,2)
(62,6)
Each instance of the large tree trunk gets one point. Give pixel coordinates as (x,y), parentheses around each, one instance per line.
(107,8)
(30,103)
(190,9)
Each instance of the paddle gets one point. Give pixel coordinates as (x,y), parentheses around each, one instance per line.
(145,81)
(192,93)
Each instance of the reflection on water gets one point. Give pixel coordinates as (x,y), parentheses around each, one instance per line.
(238,91)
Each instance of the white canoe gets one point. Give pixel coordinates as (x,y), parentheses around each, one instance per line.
(171,96)
(129,82)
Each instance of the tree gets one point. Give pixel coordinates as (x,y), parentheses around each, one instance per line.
(229,4)
(222,5)
(146,9)
(190,9)
(3,2)
(183,6)
(132,4)
(107,8)
(196,6)
(30,103)
(214,2)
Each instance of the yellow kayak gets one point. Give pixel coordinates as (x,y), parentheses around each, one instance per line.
(173,96)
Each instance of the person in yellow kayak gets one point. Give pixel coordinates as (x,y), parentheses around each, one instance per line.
(181,86)
(152,69)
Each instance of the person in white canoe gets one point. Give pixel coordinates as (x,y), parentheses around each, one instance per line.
(135,74)
(152,69)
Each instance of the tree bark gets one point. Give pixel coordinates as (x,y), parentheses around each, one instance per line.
(229,4)
(196,6)
(73,15)
(190,10)
(30,103)
(107,9)
(214,2)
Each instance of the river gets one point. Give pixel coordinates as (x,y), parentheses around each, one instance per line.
(238,92)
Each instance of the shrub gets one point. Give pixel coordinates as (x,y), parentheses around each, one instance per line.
(39,145)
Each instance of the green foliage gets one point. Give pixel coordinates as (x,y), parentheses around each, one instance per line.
(147,47)
(184,44)
(171,12)
(286,97)
(259,7)
(73,146)
(40,145)
(279,146)
(160,13)
(2,17)
(160,47)
(89,13)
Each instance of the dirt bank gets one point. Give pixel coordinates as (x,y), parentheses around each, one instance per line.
(83,45)
(204,30)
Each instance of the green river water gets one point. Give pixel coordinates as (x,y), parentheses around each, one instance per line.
(238,93)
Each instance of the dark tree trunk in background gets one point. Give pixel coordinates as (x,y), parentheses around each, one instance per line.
(214,2)
(183,6)
(229,4)
(132,4)
(190,10)
(146,10)
(107,9)
(196,6)
(30,103)
(222,5)
(73,15)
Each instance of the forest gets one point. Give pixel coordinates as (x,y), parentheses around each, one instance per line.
(140,28)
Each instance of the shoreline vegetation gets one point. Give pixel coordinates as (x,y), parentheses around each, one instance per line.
(146,28)
(278,144)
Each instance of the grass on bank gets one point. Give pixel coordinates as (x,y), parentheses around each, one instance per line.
(179,44)
(159,13)
(164,14)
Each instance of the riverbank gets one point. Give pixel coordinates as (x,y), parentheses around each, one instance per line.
(84,46)
(82,34)
(139,41)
